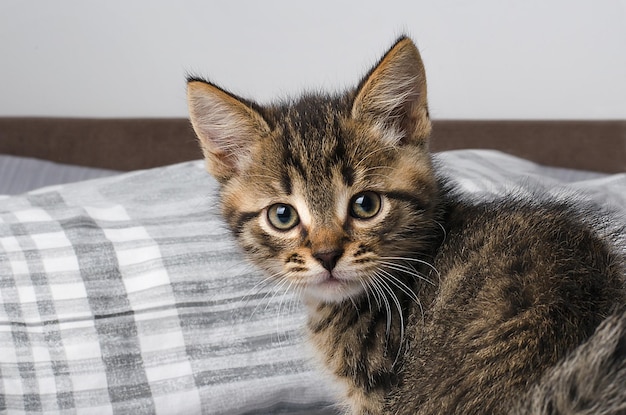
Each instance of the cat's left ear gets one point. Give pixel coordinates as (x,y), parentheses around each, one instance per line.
(393,95)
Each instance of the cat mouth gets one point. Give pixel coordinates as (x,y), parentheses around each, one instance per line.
(331,287)
(332,278)
(332,281)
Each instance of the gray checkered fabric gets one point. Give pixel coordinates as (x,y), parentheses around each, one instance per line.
(127,295)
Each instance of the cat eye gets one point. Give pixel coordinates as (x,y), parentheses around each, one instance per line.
(365,205)
(282,217)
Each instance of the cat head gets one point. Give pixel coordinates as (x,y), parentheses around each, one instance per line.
(327,193)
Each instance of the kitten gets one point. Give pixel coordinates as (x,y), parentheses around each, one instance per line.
(419,302)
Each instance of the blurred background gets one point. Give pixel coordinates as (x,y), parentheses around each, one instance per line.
(486,59)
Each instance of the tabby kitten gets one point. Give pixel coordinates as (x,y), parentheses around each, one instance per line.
(419,302)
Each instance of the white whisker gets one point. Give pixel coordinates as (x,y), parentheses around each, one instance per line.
(260,285)
(405,269)
(377,285)
(277,288)
(367,293)
(443,229)
(354,304)
(395,299)
(279,319)
(419,261)
(401,285)
(408,291)
(270,282)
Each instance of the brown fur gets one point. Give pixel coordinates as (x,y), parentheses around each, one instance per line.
(433,304)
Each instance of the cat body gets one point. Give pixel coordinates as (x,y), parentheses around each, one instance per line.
(419,301)
(512,298)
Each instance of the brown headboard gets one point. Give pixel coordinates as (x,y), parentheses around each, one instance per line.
(129,144)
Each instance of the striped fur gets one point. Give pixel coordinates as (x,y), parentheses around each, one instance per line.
(419,302)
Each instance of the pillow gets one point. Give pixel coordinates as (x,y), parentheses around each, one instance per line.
(127,294)
(21,174)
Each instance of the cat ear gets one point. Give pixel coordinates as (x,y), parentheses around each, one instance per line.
(393,95)
(226,127)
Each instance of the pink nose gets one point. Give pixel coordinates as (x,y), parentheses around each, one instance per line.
(328,259)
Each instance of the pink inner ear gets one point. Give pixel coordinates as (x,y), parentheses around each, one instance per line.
(394,95)
(225,126)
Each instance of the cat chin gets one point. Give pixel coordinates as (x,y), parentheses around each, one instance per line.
(333,290)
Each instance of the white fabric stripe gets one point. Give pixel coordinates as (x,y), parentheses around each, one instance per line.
(142,270)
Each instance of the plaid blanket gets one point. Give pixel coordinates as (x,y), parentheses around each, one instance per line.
(127,295)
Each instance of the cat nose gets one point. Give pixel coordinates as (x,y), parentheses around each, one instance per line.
(328,259)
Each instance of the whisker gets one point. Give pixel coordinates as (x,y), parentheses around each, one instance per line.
(401,285)
(274,287)
(411,272)
(295,299)
(259,288)
(443,229)
(278,287)
(419,261)
(408,291)
(350,297)
(262,283)
(377,285)
(287,292)
(367,293)
(407,270)
(400,314)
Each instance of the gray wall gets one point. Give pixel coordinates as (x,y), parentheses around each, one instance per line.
(486,59)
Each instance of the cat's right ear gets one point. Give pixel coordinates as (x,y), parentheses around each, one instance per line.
(393,95)
(225,125)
